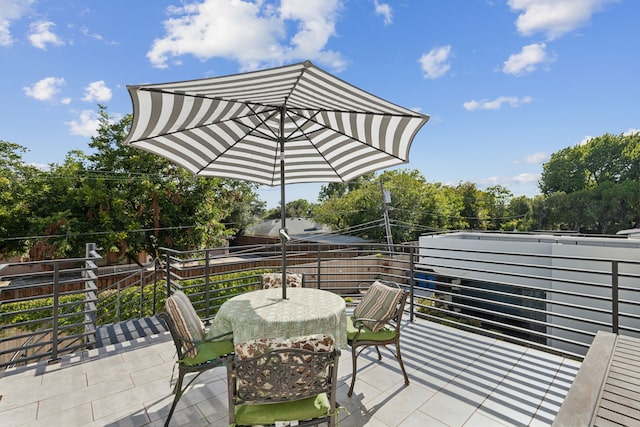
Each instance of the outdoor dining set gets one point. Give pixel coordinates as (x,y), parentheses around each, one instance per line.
(281,354)
(284,125)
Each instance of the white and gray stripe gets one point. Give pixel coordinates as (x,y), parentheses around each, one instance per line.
(230,126)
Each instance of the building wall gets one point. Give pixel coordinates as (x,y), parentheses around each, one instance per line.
(556,264)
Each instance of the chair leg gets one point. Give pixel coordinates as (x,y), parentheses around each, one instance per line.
(354,357)
(177,391)
(399,357)
(379,354)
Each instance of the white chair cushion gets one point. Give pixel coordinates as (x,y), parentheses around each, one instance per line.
(185,318)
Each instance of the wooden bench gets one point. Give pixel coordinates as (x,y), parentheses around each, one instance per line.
(606,390)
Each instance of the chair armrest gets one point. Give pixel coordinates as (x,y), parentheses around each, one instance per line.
(391,283)
(217,337)
(359,322)
(208,339)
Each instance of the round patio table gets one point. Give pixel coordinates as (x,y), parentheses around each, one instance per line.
(264,314)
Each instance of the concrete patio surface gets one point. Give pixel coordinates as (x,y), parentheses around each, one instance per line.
(458,379)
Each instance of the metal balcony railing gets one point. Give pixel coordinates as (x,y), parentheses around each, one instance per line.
(553,302)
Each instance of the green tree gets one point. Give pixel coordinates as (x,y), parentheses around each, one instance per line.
(474,210)
(592,187)
(448,205)
(496,200)
(564,172)
(127,201)
(359,211)
(520,213)
(300,208)
(604,160)
(337,189)
(631,152)
(15,198)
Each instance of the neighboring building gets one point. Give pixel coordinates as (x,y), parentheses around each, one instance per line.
(301,229)
(568,271)
(631,233)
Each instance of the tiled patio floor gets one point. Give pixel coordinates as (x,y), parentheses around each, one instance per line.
(457,379)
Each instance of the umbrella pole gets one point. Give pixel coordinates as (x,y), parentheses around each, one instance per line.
(283,211)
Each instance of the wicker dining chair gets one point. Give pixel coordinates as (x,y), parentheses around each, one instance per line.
(196,354)
(376,323)
(283,384)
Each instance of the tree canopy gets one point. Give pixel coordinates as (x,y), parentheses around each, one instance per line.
(594,187)
(124,199)
(589,188)
(416,207)
(127,200)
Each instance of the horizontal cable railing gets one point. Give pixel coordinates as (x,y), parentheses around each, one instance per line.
(51,311)
(553,302)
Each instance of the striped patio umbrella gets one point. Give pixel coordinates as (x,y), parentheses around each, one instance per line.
(284,125)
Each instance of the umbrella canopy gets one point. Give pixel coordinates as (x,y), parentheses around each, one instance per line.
(289,124)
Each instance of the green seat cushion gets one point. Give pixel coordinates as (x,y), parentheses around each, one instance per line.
(367,334)
(304,409)
(209,350)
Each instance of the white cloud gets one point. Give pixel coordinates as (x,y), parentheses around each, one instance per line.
(384,10)
(526,178)
(527,60)
(97,91)
(534,158)
(85,125)
(496,104)
(11,10)
(41,166)
(554,17)
(45,89)
(85,32)
(40,35)
(584,140)
(632,132)
(435,63)
(525,184)
(252,33)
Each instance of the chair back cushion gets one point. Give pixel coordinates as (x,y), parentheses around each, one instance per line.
(187,323)
(256,347)
(274,280)
(379,303)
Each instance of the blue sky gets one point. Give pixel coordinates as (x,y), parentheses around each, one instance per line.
(506,82)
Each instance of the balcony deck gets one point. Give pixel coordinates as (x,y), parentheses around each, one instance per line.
(457,379)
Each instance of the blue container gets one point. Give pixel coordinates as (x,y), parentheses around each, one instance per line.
(425,280)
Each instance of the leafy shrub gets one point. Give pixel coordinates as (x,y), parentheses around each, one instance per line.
(128,301)
(17,313)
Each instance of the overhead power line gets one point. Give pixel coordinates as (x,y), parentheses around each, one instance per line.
(98,233)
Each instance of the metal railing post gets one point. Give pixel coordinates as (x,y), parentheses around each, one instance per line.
(141,292)
(56,304)
(91,290)
(168,274)
(411,282)
(615,309)
(118,303)
(207,284)
(156,262)
(319,257)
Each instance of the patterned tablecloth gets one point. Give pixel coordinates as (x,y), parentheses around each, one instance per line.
(264,314)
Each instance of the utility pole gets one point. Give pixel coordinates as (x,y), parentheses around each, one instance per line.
(386,198)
